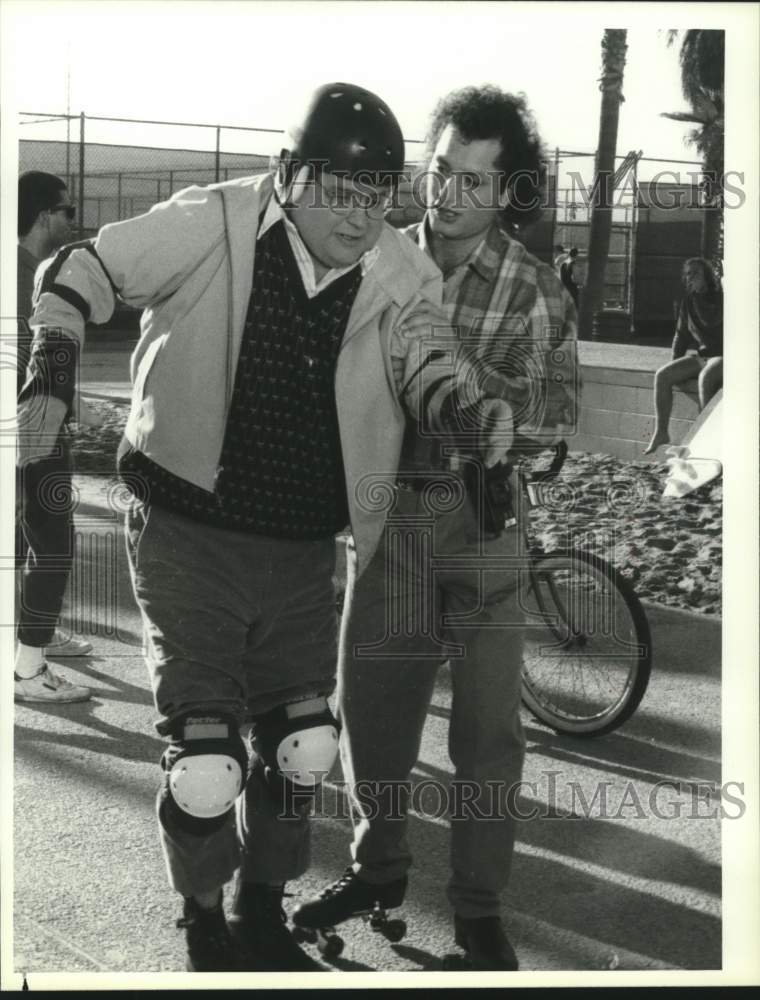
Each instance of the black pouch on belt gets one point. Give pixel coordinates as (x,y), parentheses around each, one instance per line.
(491,493)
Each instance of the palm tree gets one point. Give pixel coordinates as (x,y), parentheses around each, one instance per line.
(702,61)
(614,48)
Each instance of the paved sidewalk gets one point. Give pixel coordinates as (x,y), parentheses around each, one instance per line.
(625,890)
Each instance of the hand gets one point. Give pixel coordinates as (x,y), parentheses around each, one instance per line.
(85,416)
(498,431)
(427,320)
(39,423)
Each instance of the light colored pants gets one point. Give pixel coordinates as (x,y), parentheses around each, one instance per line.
(235,624)
(406,606)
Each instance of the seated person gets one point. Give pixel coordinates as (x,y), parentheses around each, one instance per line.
(568,275)
(700,327)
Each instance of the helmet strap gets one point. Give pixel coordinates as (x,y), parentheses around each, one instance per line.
(290,175)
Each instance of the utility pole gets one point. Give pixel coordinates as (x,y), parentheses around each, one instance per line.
(68,114)
(81,176)
(611,85)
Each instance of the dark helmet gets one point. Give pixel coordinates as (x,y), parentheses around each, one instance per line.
(348,131)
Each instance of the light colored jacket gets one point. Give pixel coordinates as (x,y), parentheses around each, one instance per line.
(188,263)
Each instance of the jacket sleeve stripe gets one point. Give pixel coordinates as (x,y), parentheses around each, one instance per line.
(431,390)
(91,250)
(73,298)
(57,263)
(433,356)
(49,282)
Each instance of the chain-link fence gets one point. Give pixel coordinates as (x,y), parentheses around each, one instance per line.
(116,168)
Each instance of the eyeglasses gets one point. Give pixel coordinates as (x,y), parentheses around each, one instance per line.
(341,202)
(70,210)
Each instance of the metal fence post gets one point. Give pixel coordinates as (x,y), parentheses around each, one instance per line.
(118,197)
(631,305)
(68,150)
(217,157)
(555,213)
(81,175)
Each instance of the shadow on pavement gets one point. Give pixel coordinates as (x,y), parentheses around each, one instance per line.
(600,841)
(110,740)
(347,964)
(620,916)
(646,724)
(564,894)
(426,961)
(125,691)
(624,756)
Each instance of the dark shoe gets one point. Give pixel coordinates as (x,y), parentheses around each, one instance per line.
(259,926)
(486,944)
(210,947)
(349,896)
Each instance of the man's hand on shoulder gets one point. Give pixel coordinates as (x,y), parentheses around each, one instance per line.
(427,320)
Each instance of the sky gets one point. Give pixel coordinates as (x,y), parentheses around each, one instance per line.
(252,63)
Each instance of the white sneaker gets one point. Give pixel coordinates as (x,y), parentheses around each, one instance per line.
(47,686)
(68,645)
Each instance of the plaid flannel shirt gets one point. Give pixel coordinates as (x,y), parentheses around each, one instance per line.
(518,325)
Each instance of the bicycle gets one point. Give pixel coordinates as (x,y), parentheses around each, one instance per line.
(588,647)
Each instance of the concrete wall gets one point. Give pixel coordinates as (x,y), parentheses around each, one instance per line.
(617,413)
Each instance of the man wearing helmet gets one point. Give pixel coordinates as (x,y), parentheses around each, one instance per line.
(457,583)
(279,352)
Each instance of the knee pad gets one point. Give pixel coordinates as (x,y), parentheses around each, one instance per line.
(296,745)
(205,770)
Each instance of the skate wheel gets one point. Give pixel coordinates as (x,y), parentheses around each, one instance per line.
(304,934)
(456,963)
(330,945)
(395,930)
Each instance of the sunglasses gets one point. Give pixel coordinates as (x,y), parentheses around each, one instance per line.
(70,210)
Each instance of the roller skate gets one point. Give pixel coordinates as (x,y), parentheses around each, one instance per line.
(485,946)
(210,947)
(349,896)
(259,927)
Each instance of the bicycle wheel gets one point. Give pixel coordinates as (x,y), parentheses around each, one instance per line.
(588,649)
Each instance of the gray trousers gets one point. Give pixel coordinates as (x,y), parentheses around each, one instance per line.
(433,592)
(236,624)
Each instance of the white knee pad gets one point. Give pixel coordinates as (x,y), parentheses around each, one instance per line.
(205,769)
(299,741)
(205,785)
(305,756)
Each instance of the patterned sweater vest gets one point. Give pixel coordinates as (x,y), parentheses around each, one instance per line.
(281,470)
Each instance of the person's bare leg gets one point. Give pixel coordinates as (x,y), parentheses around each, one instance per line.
(710,381)
(665,378)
